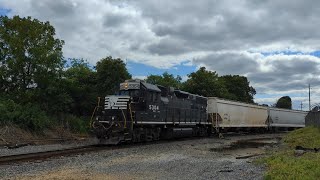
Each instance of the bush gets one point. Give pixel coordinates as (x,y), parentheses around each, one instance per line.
(27,116)
(32,117)
(78,125)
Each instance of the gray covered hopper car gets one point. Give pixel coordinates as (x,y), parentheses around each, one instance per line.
(286,118)
(231,114)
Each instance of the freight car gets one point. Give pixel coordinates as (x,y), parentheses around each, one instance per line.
(286,118)
(229,115)
(146,112)
(233,115)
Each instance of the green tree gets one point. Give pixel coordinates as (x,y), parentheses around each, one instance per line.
(165,79)
(30,56)
(238,88)
(205,83)
(110,73)
(284,102)
(80,80)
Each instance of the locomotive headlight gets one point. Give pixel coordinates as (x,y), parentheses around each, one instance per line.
(112,117)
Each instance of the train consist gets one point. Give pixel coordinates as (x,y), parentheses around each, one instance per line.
(226,114)
(146,112)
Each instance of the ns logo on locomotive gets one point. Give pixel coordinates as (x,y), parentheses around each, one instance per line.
(146,112)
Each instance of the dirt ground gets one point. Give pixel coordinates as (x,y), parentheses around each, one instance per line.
(205,158)
(13,135)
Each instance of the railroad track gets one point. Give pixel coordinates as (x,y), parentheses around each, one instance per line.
(49,154)
(41,142)
(86,149)
(43,155)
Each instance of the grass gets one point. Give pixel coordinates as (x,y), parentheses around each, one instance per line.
(307,137)
(284,164)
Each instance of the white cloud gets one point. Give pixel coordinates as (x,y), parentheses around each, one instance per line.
(139,77)
(225,36)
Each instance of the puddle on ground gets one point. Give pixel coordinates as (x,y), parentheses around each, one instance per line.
(246,147)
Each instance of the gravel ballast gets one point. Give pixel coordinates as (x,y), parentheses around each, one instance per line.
(5,151)
(183,159)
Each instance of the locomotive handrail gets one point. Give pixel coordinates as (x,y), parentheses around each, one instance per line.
(131,116)
(94,111)
(125,119)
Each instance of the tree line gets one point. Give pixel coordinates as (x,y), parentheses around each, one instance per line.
(207,83)
(39,88)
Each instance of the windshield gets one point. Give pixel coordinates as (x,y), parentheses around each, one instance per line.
(132,93)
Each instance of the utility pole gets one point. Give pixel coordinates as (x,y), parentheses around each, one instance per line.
(301,105)
(309,99)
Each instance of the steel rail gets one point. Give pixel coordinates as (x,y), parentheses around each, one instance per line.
(49,154)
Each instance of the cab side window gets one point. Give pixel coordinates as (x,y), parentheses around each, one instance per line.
(153,96)
(156,97)
(150,96)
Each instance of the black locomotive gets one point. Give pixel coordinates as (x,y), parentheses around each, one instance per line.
(145,112)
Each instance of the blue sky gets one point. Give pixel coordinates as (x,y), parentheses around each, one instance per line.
(139,69)
(4,12)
